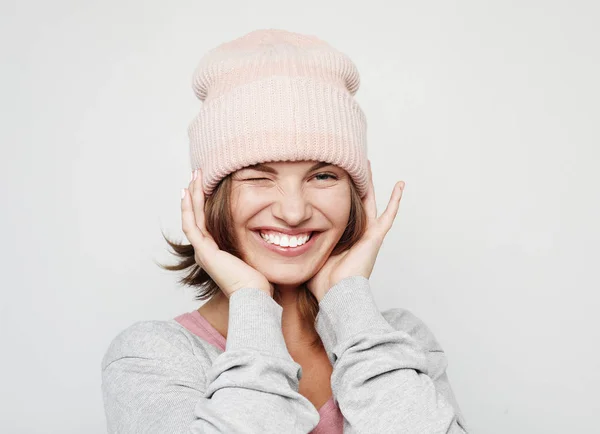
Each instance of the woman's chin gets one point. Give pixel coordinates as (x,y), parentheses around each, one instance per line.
(288,280)
(295,282)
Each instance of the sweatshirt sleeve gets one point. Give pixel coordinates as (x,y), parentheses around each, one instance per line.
(388,376)
(154,382)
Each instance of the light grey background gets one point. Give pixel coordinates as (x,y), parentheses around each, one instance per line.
(487,110)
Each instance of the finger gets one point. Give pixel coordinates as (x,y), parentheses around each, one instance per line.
(369,200)
(389,215)
(197,194)
(188,223)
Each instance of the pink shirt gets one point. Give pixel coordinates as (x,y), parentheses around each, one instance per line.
(332,420)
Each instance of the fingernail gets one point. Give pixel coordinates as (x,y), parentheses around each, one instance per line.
(182,193)
(195,173)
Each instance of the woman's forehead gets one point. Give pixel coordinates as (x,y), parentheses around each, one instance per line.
(276,166)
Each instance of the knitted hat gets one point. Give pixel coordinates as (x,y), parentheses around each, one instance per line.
(274,95)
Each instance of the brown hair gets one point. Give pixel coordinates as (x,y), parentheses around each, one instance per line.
(218,218)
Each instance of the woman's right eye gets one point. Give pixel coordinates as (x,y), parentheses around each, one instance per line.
(254,179)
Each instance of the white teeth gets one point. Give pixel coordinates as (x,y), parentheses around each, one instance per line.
(285,240)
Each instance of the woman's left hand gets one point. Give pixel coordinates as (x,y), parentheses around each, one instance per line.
(360,259)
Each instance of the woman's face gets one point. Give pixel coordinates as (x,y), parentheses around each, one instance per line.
(304,197)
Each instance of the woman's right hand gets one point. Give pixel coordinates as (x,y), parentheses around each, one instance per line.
(227,270)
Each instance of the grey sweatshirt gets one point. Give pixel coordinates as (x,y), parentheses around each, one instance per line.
(389,372)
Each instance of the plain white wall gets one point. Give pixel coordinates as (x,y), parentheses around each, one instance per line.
(488,111)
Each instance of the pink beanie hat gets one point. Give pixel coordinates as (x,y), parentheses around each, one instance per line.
(274,95)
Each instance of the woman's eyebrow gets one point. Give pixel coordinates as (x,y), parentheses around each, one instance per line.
(264,168)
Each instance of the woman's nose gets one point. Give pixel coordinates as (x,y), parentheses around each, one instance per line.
(292,208)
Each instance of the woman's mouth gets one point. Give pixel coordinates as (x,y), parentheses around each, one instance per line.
(286,245)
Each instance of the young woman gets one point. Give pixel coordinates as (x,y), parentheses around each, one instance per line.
(282,222)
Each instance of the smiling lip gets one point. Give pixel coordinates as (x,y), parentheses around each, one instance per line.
(288,251)
(288,232)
